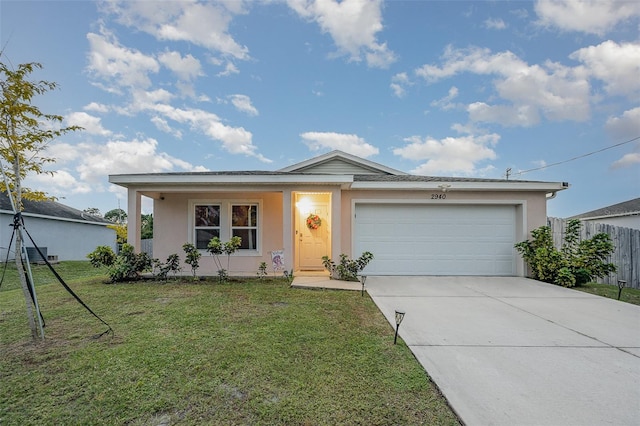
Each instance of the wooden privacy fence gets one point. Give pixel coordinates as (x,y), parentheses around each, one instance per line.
(146,246)
(626,241)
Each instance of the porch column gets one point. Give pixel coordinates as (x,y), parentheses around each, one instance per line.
(336,223)
(287,229)
(134,210)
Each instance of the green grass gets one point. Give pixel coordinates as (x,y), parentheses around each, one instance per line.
(629,295)
(252,352)
(70,271)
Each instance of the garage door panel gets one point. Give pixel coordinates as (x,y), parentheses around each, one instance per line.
(420,239)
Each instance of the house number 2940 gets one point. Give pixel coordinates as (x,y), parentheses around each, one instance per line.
(438,196)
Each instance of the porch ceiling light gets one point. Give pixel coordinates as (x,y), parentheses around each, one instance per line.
(399,318)
(304,205)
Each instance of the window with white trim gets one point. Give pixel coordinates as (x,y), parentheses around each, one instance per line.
(244,224)
(225,219)
(206,224)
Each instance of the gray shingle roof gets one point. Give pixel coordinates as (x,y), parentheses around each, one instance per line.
(416,178)
(620,209)
(50,208)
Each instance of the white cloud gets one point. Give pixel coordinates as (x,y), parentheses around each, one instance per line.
(352,144)
(142,100)
(507,115)
(243,104)
(119,65)
(627,160)
(229,69)
(90,123)
(451,155)
(96,107)
(446,102)
(162,125)
(82,168)
(62,152)
(352,24)
(495,24)
(185,67)
(59,184)
(554,90)
(135,156)
(399,82)
(235,140)
(617,65)
(588,16)
(204,24)
(626,126)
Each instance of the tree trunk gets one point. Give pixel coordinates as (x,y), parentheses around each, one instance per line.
(18,256)
(25,287)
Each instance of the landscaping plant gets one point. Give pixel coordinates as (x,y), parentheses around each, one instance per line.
(576,263)
(217,248)
(126,266)
(347,269)
(192,257)
(262,270)
(171,265)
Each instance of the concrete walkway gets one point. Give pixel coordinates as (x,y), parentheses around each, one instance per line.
(514,351)
(324,282)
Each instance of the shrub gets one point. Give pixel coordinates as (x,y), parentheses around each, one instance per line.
(575,264)
(262,270)
(127,265)
(192,257)
(171,265)
(102,256)
(348,269)
(217,248)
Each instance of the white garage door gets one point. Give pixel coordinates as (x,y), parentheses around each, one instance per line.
(418,239)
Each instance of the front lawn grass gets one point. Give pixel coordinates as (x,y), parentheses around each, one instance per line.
(70,271)
(629,295)
(249,352)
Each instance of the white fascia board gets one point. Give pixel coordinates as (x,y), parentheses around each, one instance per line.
(463,186)
(144,180)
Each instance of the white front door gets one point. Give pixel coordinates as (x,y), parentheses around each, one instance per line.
(313,243)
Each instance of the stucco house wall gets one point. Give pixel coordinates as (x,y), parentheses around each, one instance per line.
(172,215)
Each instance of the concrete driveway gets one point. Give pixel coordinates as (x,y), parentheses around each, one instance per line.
(514,351)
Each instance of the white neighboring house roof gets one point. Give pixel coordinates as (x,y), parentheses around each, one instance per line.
(364,175)
(625,208)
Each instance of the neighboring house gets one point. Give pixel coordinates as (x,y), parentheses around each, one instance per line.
(625,214)
(413,225)
(61,232)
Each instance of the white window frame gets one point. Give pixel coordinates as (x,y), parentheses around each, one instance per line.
(248,227)
(195,227)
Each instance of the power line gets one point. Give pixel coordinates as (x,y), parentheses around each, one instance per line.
(578,157)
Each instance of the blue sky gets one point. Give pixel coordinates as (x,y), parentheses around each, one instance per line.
(428,87)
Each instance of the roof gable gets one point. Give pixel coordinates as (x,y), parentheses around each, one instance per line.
(340,163)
